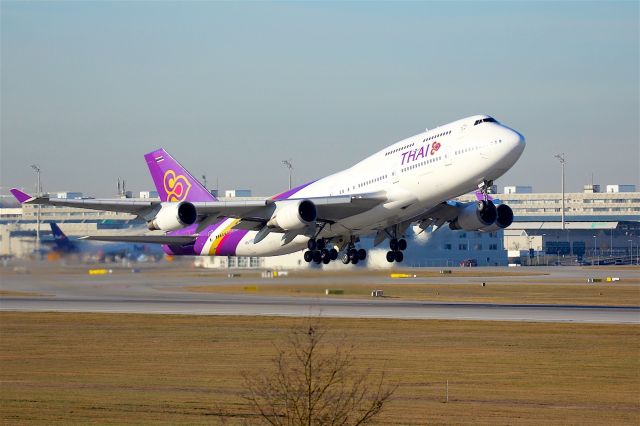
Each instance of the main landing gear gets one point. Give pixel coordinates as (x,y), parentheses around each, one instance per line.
(353,255)
(318,252)
(397,247)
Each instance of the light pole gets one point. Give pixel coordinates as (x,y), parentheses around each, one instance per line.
(631,252)
(289,165)
(595,247)
(560,158)
(611,244)
(38,194)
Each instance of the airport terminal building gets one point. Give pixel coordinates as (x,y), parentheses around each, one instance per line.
(599,226)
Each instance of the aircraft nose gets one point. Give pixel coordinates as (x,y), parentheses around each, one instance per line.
(517,141)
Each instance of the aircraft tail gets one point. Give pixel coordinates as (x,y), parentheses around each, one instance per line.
(62,241)
(57,232)
(173,182)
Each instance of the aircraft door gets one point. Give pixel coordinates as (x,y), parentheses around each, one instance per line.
(463,131)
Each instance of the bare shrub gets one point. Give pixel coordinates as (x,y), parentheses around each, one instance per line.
(316,383)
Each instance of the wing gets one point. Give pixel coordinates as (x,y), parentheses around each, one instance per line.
(136,207)
(253,213)
(329,209)
(438,215)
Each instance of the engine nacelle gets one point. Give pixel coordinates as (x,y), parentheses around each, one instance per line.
(504,219)
(173,216)
(293,215)
(474,216)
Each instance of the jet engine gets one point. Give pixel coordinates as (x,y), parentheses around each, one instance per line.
(504,219)
(173,216)
(293,215)
(474,216)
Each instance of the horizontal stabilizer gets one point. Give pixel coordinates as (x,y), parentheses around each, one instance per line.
(143,239)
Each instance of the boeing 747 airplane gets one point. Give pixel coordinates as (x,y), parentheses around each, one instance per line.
(410,182)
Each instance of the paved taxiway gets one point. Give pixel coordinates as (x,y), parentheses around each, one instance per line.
(70,291)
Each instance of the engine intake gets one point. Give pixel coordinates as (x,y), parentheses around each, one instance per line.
(173,216)
(475,216)
(293,215)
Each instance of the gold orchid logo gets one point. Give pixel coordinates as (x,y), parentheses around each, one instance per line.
(176,187)
(435,147)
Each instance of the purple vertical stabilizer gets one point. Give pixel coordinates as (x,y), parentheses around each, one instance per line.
(173,182)
(20,196)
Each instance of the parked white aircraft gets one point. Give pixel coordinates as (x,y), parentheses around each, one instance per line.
(411,181)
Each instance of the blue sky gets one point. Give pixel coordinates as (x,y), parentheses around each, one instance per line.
(231,89)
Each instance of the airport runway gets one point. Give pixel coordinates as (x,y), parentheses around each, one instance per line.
(71,291)
(279,306)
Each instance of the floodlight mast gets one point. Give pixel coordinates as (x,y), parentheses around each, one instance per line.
(288,164)
(38,194)
(562,160)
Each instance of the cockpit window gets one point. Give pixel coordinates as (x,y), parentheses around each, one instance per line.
(485,120)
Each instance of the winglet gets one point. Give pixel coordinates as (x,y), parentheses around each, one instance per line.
(20,196)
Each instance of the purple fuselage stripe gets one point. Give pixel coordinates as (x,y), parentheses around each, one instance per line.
(200,240)
(204,235)
(229,245)
(289,193)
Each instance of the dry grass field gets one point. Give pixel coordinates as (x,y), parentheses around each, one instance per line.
(115,368)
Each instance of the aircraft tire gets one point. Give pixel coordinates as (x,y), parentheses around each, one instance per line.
(402,244)
(393,244)
(333,254)
(353,253)
(399,256)
(362,254)
(354,260)
(308,256)
(345,258)
(317,256)
(391,256)
(326,260)
(311,244)
(320,244)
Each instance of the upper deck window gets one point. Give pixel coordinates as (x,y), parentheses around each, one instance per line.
(485,120)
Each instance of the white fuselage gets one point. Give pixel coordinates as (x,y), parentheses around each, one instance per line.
(415,174)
